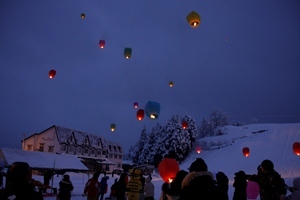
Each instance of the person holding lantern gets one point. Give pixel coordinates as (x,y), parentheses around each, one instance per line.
(171,191)
(272,186)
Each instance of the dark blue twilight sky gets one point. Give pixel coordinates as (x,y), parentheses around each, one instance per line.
(255,73)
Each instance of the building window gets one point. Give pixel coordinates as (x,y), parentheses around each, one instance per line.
(115,149)
(109,147)
(41,147)
(119,149)
(110,156)
(92,152)
(51,149)
(120,156)
(115,156)
(71,148)
(29,147)
(63,148)
(119,165)
(86,151)
(78,150)
(103,152)
(99,153)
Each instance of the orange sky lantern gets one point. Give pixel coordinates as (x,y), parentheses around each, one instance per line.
(82,15)
(168,168)
(184,124)
(296,148)
(102,44)
(246,151)
(52,73)
(171,83)
(140,114)
(194,19)
(135,104)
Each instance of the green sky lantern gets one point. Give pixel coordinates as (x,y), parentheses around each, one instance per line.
(127,52)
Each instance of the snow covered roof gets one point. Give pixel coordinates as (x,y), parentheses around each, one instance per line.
(42,160)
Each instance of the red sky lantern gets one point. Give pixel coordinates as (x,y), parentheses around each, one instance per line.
(198,149)
(246,151)
(184,124)
(167,169)
(140,114)
(135,104)
(296,148)
(101,44)
(52,73)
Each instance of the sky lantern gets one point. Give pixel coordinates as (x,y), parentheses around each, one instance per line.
(184,124)
(198,149)
(127,52)
(296,148)
(152,109)
(171,83)
(194,19)
(52,73)
(101,43)
(168,169)
(113,127)
(82,15)
(135,104)
(246,151)
(140,114)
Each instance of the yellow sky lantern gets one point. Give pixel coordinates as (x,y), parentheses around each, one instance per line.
(194,19)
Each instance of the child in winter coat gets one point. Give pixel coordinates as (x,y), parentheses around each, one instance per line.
(148,189)
(92,187)
(240,184)
(65,188)
(294,190)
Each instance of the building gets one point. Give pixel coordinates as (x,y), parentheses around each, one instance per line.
(94,151)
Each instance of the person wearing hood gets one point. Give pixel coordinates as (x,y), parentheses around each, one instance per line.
(103,186)
(148,189)
(65,188)
(272,186)
(295,190)
(199,183)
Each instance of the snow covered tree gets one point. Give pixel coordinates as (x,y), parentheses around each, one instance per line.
(138,158)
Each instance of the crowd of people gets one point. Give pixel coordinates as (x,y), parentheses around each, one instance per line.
(197,183)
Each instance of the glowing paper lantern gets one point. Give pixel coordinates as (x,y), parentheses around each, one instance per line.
(296,148)
(140,114)
(198,149)
(246,151)
(194,19)
(127,52)
(135,104)
(184,124)
(82,15)
(168,168)
(52,73)
(113,127)
(101,44)
(152,109)
(171,84)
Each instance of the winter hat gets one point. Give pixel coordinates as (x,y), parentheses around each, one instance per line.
(66,177)
(267,165)
(296,183)
(198,165)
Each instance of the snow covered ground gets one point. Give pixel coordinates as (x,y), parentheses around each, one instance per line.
(265,141)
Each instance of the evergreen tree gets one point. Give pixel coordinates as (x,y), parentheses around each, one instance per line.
(138,158)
